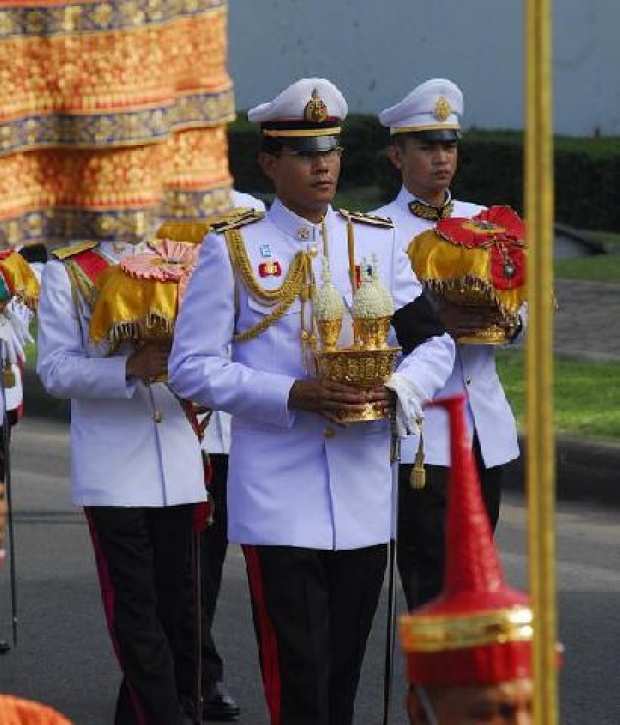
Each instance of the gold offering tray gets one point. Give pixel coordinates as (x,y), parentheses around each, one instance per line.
(361,368)
(476,297)
(493,335)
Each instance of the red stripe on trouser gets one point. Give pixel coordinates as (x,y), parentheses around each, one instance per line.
(267,644)
(108,599)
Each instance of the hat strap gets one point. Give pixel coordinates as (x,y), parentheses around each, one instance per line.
(427,127)
(291,133)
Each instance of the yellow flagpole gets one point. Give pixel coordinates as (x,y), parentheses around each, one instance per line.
(539,357)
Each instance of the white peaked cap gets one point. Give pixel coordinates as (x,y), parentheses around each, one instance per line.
(434,105)
(293,104)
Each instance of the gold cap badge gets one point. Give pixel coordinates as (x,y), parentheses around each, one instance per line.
(442,109)
(315,110)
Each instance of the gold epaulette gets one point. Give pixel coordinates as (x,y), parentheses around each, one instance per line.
(190,232)
(195,231)
(362,218)
(238,218)
(66,252)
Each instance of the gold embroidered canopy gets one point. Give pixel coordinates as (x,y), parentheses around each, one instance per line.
(112,117)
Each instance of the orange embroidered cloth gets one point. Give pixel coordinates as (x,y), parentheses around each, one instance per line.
(15,711)
(112,117)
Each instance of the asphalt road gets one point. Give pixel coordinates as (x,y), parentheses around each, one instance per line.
(64,657)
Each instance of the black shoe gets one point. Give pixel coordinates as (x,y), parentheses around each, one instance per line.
(218,705)
(4,647)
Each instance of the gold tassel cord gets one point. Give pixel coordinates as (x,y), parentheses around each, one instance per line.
(293,286)
(417,478)
(351,253)
(289,289)
(8,377)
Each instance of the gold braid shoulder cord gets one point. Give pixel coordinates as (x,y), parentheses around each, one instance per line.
(81,288)
(295,284)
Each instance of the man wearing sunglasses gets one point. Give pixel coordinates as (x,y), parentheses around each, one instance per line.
(309,499)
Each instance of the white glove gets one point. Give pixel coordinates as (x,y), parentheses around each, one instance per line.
(20,316)
(14,333)
(409,401)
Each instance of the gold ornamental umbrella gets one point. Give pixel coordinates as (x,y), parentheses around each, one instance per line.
(476,262)
(17,280)
(139,298)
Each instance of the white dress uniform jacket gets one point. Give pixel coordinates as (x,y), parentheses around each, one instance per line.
(294,479)
(217,435)
(474,372)
(131,444)
(14,335)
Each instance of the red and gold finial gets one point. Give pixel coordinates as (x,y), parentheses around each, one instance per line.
(479,630)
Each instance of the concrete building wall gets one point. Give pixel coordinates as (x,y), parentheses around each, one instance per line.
(377,51)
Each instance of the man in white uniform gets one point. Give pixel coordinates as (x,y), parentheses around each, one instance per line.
(425,131)
(15,319)
(309,500)
(136,470)
(14,334)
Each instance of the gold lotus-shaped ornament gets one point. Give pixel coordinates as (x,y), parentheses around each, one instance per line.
(369,362)
(328,310)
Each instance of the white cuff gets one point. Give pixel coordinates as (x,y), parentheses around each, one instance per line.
(409,401)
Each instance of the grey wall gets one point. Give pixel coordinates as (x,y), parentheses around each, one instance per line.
(375,51)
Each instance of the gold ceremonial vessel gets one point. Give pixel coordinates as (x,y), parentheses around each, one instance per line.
(476,263)
(369,362)
(360,367)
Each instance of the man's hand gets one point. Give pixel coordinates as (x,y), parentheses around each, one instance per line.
(466,320)
(333,400)
(149,362)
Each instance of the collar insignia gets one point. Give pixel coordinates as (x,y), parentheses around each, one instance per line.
(431,213)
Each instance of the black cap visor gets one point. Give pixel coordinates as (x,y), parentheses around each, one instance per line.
(310,144)
(438,135)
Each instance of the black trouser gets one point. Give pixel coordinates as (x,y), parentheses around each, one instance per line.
(313,611)
(421,526)
(213,546)
(12,418)
(141,555)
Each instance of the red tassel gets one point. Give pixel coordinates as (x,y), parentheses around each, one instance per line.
(208,469)
(202,516)
(203,511)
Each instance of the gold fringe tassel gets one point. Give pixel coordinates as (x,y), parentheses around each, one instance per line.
(417,479)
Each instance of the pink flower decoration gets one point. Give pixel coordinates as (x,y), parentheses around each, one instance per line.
(167,262)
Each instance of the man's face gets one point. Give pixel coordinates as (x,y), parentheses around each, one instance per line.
(305,183)
(427,167)
(509,703)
